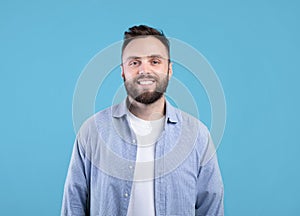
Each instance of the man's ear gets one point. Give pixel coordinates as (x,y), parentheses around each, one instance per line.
(170,70)
(122,72)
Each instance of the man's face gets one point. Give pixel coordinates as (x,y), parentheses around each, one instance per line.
(146,69)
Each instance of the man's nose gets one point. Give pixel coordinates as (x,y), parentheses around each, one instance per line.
(144,68)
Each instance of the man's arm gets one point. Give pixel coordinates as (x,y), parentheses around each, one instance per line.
(75,198)
(210,190)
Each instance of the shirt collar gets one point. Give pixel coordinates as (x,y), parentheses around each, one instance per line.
(172,115)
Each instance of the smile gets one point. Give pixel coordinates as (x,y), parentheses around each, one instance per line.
(145,82)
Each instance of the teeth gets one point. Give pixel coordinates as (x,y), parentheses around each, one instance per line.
(147,82)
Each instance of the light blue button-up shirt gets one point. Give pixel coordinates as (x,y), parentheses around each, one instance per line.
(187,176)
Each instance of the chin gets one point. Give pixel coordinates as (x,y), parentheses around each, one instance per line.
(149,97)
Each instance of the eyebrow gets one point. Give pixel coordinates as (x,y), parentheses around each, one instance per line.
(150,56)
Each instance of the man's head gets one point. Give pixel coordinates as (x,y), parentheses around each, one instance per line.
(146,68)
(144,31)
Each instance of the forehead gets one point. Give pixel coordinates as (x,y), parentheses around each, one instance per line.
(145,46)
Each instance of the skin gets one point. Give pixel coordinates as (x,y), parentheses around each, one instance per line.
(145,68)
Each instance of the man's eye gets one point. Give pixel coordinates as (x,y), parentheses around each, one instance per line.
(133,63)
(155,62)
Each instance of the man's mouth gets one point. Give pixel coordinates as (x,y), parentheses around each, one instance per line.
(145,81)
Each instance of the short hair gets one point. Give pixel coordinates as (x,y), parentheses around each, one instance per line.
(143,31)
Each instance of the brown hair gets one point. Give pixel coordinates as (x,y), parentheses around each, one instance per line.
(143,31)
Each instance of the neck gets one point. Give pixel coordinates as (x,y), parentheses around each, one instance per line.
(147,112)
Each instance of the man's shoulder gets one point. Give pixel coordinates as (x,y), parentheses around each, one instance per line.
(191,121)
(93,122)
(107,112)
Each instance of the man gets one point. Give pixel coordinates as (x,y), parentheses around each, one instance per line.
(143,157)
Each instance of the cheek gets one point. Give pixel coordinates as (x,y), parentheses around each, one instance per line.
(127,76)
(127,72)
(164,67)
(162,71)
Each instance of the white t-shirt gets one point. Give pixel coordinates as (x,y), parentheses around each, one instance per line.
(142,193)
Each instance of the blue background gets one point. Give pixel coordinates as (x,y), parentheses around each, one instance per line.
(252,45)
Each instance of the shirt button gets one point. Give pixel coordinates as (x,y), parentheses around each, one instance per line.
(126,195)
(130,167)
(133,140)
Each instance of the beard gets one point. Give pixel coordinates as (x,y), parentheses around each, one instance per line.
(146,96)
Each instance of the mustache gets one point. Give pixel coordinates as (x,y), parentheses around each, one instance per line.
(146,76)
(142,76)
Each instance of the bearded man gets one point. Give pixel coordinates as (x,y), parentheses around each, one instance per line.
(143,157)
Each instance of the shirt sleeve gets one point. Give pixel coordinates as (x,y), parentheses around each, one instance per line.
(210,190)
(75,198)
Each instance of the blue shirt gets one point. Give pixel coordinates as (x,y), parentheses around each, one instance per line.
(99,180)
